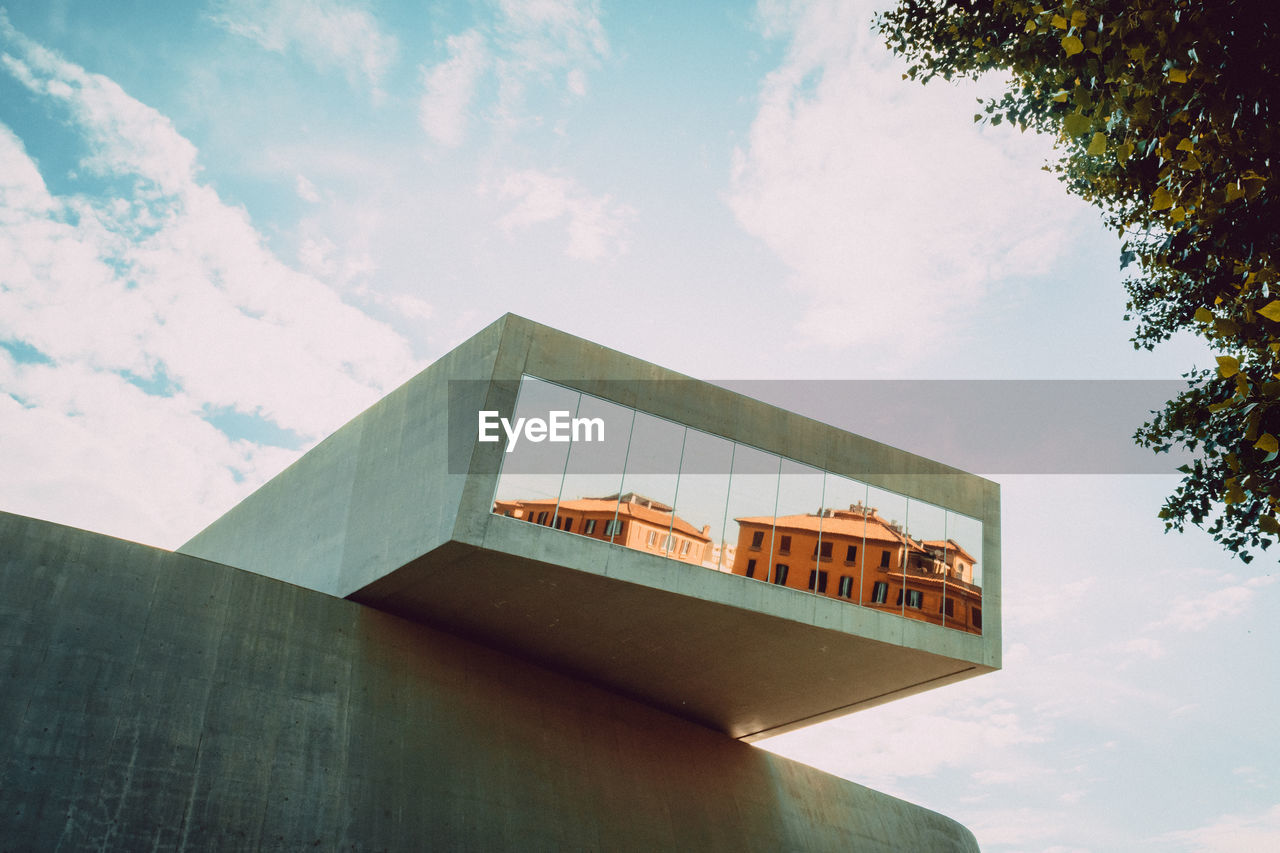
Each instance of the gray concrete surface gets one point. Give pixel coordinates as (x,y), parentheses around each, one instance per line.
(151,700)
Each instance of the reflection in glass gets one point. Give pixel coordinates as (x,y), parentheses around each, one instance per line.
(796,528)
(885,552)
(843,531)
(753,503)
(593,476)
(926,562)
(964,572)
(702,494)
(652,485)
(646,520)
(533,470)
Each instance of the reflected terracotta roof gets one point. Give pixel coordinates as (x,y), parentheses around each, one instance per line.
(950,545)
(636,511)
(844,524)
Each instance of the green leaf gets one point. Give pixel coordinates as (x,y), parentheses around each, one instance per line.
(1097,145)
(1161,200)
(1078,18)
(1059,22)
(1204,315)
(1267,443)
(1272,311)
(1072,45)
(1177,75)
(1076,124)
(1228,366)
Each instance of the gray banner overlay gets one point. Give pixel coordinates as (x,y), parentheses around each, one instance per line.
(980,426)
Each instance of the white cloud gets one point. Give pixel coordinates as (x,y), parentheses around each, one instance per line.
(167,289)
(450,87)
(1228,834)
(597,227)
(529,42)
(544,35)
(1197,611)
(1023,828)
(894,213)
(410,306)
(123,135)
(980,732)
(327,33)
(306,190)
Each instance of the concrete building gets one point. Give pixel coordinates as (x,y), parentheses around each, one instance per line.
(364,654)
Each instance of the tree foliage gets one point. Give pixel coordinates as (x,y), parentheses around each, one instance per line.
(1163,112)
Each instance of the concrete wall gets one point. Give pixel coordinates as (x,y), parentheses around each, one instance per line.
(150,700)
(369,498)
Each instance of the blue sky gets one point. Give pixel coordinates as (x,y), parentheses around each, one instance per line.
(227,227)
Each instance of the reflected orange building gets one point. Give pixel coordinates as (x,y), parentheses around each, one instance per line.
(631,520)
(862,558)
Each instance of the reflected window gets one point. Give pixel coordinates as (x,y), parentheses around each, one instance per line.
(976,615)
(880,593)
(751,568)
(589,527)
(817,580)
(757,539)
(784,546)
(851,554)
(825,551)
(780,573)
(613,527)
(846,586)
(914,598)
(884,559)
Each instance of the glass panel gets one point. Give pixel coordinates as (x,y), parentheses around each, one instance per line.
(886,550)
(701,497)
(926,560)
(753,502)
(649,485)
(964,572)
(844,507)
(533,464)
(795,537)
(595,468)
(593,476)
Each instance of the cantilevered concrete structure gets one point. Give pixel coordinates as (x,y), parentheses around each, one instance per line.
(488,682)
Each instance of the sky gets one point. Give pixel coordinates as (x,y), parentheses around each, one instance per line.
(227,227)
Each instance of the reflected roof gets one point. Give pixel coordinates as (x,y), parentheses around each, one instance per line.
(839,523)
(629,509)
(951,546)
